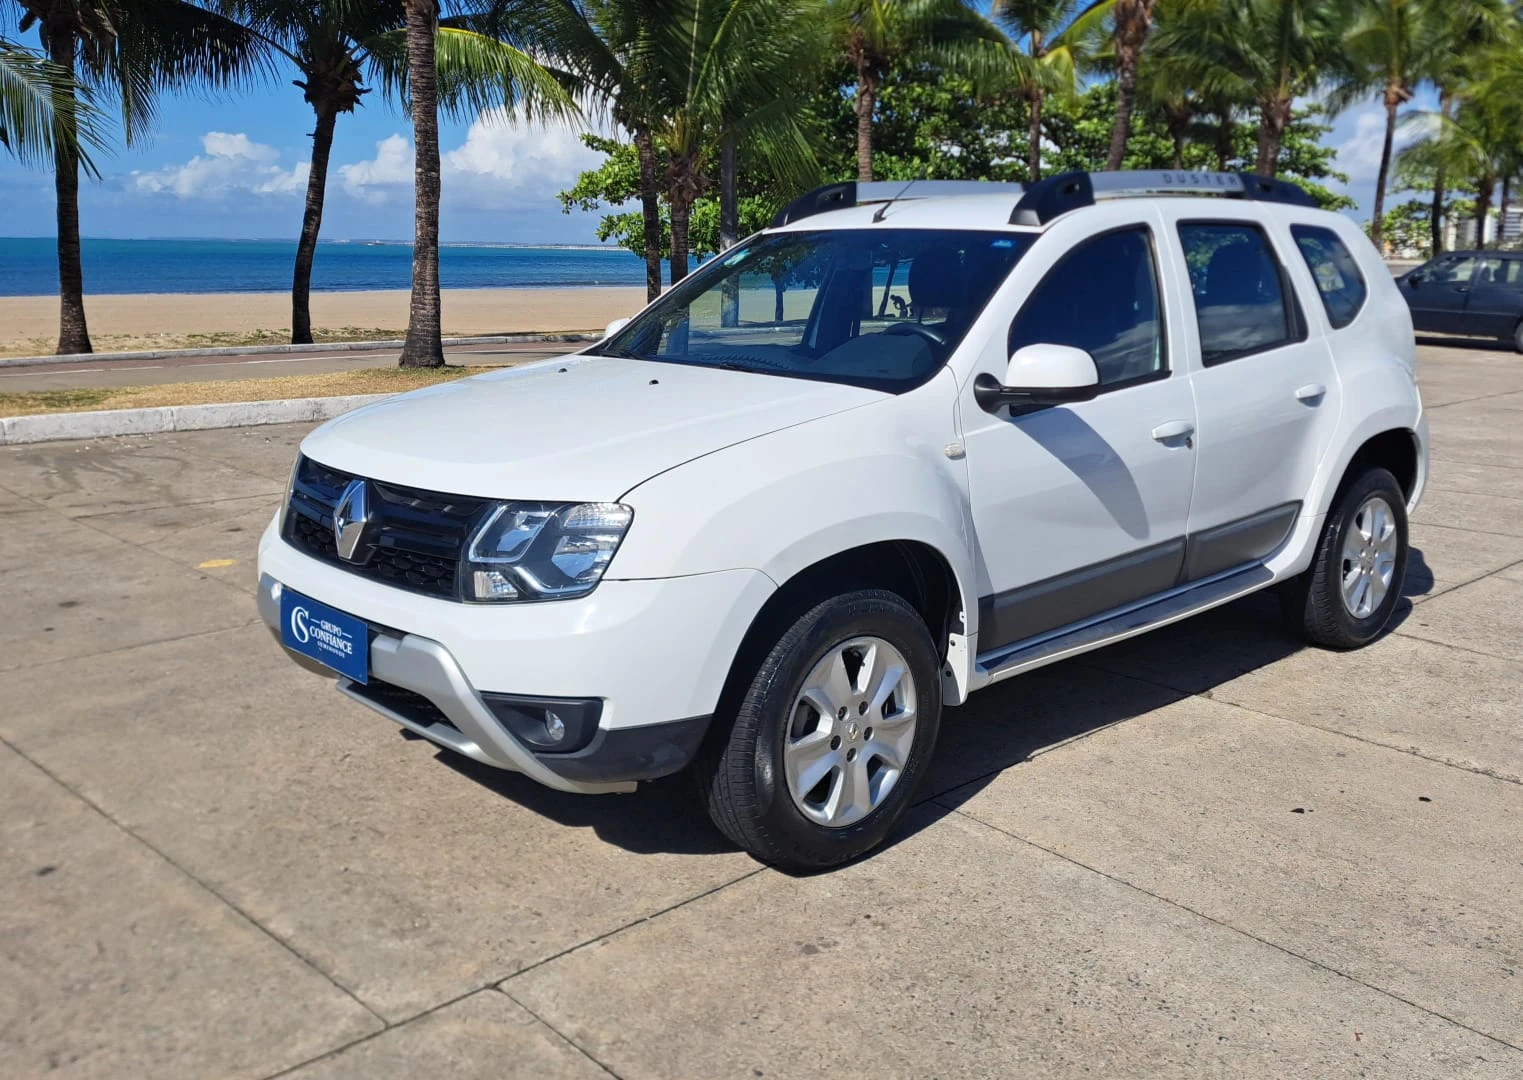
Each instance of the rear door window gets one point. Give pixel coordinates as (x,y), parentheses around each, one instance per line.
(1242,301)
(1337,275)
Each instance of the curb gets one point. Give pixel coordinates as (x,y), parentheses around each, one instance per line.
(108,423)
(281,350)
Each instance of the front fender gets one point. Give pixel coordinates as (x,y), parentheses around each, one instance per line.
(786,501)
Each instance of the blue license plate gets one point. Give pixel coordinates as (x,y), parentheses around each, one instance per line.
(330,637)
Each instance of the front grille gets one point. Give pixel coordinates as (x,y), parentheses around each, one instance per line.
(403,702)
(417,536)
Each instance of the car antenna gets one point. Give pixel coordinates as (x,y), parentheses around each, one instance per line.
(878,214)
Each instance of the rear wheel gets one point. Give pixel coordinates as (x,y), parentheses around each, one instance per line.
(1352,588)
(1517,336)
(831,734)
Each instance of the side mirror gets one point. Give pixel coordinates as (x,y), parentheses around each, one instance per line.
(1040,376)
(614,327)
(1414,279)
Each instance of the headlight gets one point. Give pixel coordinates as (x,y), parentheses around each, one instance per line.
(543,551)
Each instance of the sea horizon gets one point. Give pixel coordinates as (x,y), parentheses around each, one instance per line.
(112,266)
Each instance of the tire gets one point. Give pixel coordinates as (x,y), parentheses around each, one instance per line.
(1517,336)
(743,770)
(1315,604)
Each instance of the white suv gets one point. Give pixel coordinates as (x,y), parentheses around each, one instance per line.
(908,442)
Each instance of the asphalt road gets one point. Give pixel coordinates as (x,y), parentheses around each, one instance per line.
(97,373)
(1205,852)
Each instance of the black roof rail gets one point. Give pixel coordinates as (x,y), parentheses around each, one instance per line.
(854,193)
(1059,194)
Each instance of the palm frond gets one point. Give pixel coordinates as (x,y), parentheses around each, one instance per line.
(41,107)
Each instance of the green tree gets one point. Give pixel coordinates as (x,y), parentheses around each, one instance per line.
(129,51)
(876,36)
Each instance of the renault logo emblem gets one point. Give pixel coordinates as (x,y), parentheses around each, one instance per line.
(351,520)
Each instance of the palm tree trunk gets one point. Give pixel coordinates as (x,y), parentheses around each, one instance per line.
(311,222)
(650,208)
(423,347)
(1274,118)
(1134,18)
(729,224)
(73,334)
(1226,136)
(1034,137)
(1377,226)
(1482,210)
(1502,211)
(681,213)
(1436,213)
(867,101)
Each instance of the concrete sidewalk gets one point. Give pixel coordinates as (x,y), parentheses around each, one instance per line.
(1207,851)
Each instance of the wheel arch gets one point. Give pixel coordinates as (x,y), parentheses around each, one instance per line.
(918,571)
(1395,449)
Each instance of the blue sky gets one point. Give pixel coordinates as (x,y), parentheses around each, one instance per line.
(237,168)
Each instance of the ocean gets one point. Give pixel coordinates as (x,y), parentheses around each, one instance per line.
(29,266)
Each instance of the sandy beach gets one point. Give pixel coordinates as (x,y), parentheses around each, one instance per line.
(29,324)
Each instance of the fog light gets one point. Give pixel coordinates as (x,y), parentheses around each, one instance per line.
(553,725)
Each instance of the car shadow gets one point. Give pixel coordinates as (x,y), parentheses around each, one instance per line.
(996,731)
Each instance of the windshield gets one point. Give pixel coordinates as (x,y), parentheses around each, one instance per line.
(880,308)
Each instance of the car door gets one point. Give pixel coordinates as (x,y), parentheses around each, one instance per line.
(1081,508)
(1266,390)
(1495,301)
(1437,293)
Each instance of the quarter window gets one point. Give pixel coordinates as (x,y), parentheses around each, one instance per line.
(1102,298)
(1240,302)
(1333,267)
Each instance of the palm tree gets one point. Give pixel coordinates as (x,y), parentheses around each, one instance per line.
(612,49)
(1133,20)
(1392,46)
(1043,33)
(38,108)
(332,43)
(131,50)
(1469,29)
(460,63)
(1478,143)
(874,35)
(424,346)
(1268,52)
(733,74)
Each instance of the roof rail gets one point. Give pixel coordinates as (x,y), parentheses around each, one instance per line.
(1056,195)
(858,193)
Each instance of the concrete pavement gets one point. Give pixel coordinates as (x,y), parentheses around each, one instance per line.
(1207,851)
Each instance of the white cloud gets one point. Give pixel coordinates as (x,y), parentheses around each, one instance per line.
(391,168)
(499,163)
(1359,153)
(233,164)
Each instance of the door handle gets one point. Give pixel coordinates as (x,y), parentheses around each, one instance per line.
(1312,393)
(1175,429)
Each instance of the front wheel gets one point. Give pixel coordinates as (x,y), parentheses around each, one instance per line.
(831,736)
(1353,586)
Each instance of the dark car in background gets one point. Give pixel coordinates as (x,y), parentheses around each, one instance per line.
(1476,293)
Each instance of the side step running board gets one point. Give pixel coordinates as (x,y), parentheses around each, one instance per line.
(1168,608)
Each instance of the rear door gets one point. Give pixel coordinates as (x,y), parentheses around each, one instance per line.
(1437,294)
(1496,297)
(1266,393)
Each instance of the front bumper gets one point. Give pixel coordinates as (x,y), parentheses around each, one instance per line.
(654,653)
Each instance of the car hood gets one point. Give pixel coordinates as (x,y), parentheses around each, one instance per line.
(580,428)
